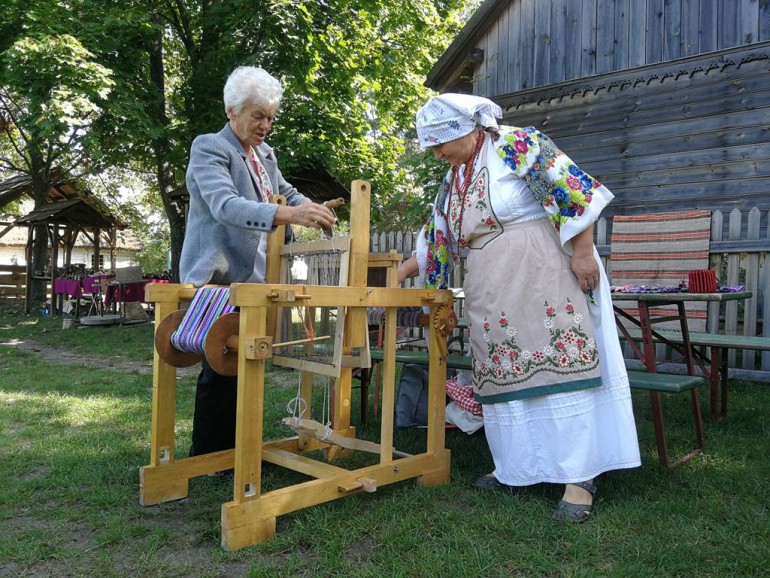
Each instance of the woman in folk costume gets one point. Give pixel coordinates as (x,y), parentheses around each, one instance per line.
(547,363)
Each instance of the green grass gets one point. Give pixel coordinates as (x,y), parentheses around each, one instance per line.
(72,440)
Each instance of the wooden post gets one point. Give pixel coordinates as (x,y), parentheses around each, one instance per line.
(239,530)
(154,486)
(275,241)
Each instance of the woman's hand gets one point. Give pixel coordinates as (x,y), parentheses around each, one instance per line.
(308,214)
(408,268)
(586,271)
(583,263)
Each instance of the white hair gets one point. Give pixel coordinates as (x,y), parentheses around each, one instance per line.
(252,85)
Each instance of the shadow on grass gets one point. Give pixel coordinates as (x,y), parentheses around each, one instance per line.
(72,440)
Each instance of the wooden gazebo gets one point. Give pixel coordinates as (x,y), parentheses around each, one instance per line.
(64,221)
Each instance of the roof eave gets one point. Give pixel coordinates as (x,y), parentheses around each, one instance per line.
(457,53)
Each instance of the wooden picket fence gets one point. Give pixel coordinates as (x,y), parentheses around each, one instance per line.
(13,279)
(740,243)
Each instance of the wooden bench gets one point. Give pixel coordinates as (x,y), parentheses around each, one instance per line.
(655,383)
(718,371)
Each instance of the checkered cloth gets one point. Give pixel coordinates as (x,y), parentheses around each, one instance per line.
(462,395)
(406,316)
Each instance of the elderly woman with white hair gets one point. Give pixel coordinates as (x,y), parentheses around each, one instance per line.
(547,364)
(230,178)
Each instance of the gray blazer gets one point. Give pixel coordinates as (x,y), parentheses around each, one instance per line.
(227,224)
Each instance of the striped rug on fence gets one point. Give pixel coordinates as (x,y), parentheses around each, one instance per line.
(661,249)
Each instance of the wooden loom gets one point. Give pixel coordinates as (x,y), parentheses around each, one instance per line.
(250,517)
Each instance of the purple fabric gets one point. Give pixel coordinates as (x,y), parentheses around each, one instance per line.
(665,289)
(125,293)
(91,284)
(71,287)
(406,316)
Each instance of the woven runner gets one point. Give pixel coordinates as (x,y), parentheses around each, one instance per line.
(661,249)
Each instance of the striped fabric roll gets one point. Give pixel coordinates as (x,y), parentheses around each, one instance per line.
(661,249)
(208,304)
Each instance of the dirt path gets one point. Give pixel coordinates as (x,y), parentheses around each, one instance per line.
(64,356)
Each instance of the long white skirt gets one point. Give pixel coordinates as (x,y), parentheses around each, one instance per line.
(569,437)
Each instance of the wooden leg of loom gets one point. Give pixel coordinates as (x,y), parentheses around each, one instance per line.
(436,411)
(244,522)
(341,412)
(157,482)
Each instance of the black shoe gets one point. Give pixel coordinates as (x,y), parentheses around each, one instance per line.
(488,482)
(576,513)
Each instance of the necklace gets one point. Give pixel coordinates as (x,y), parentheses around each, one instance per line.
(462,188)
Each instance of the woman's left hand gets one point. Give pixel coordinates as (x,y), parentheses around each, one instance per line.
(583,263)
(586,271)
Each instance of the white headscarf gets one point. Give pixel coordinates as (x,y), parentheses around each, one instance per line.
(450,116)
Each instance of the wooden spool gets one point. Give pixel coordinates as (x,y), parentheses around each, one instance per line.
(166,351)
(221,345)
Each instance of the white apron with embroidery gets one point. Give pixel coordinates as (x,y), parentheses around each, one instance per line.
(551,376)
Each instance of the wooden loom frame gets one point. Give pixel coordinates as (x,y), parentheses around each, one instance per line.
(250,517)
(363,359)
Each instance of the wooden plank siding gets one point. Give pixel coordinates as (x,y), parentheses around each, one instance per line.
(543,44)
(572,39)
(693,134)
(764,20)
(547,37)
(513,20)
(588,34)
(557,60)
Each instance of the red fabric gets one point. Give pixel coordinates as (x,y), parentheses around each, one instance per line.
(463,396)
(125,293)
(71,287)
(702,281)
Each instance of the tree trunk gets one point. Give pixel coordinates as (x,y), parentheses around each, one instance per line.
(164,171)
(40,258)
(37,265)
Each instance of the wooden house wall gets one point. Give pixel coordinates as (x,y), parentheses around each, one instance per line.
(693,134)
(540,42)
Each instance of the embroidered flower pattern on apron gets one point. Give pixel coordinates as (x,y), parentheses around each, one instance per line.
(568,347)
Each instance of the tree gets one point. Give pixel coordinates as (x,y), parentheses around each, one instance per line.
(352,70)
(51,91)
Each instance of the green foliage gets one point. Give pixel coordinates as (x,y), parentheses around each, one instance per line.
(153,257)
(52,91)
(352,70)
